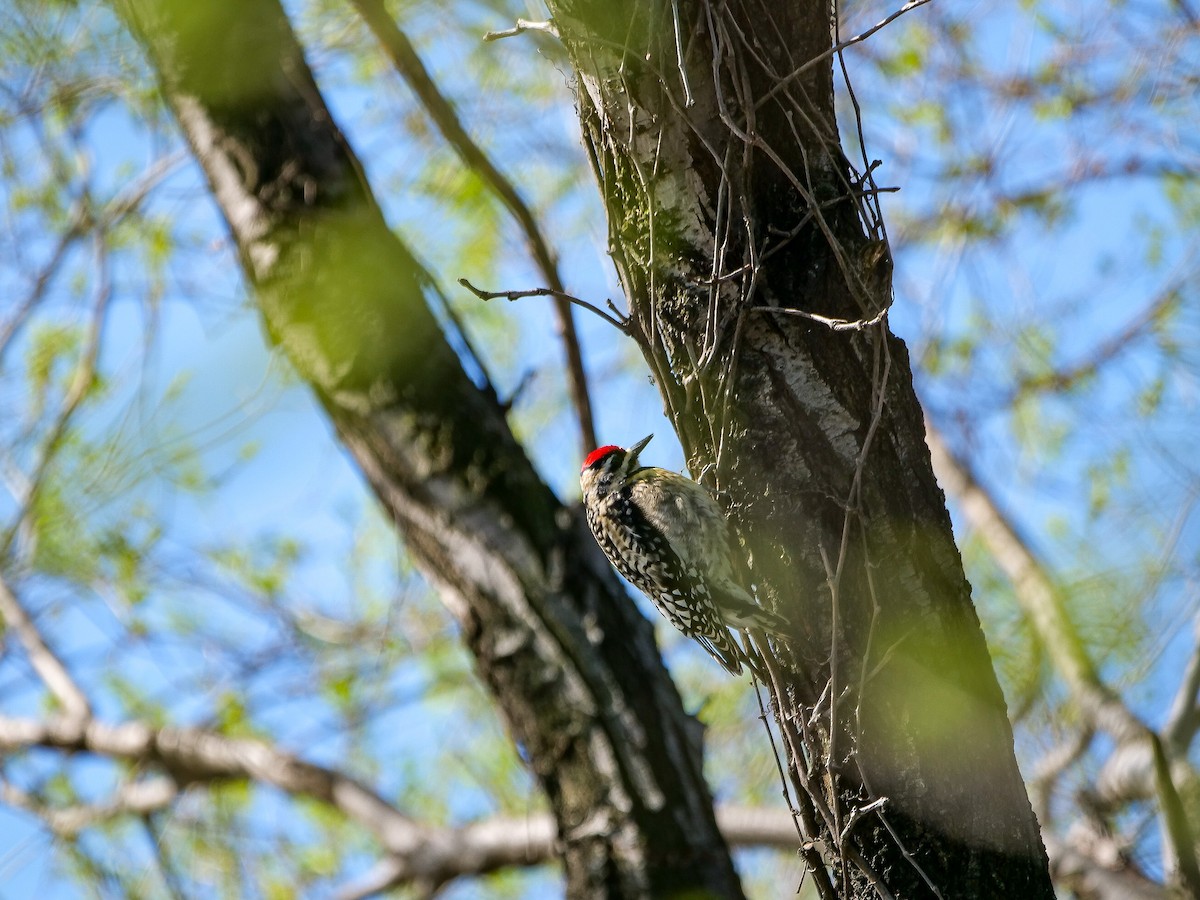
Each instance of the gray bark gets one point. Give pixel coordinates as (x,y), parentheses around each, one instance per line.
(713,136)
(571,663)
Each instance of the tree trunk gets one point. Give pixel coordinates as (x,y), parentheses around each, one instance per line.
(758,276)
(567,656)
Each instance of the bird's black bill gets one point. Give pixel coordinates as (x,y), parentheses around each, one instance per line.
(639,446)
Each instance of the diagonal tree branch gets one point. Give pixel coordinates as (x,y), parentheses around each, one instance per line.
(1155,312)
(569,659)
(420,854)
(408,63)
(131,798)
(192,755)
(1097,871)
(81,382)
(715,143)
(1043,605)
(416,852)
(45,661)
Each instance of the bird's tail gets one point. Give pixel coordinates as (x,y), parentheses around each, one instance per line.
(724,649)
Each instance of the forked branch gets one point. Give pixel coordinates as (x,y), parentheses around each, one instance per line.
(616,318)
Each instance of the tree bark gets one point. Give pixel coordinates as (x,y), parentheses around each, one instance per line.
(758,276)
(570,661)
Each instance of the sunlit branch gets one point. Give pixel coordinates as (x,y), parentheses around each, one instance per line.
(411,68)
(530,842)
(416,852)
(1043,606)
(192,755)
(131,798)
(829,322)
(616,319)
(522,26)
(45,662)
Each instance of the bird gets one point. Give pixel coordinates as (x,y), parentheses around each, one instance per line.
(668,537)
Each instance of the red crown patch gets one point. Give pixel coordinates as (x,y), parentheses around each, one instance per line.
(598,454)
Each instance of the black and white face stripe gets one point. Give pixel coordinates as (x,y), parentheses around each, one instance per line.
(606,468)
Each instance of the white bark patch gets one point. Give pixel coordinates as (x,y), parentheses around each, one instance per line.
(838,424)
(242,209)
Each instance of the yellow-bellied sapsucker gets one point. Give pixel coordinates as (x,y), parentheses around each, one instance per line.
(667,536)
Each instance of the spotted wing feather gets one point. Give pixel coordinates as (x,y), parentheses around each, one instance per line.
(645,557)
(696,529)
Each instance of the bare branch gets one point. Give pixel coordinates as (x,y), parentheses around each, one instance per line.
(521,27)
(837,48)
(834,324)
(416,852)
(81,382)
(45,662)
(1043,606)
(408,63)
(623,323)
(131,798)
(531,841)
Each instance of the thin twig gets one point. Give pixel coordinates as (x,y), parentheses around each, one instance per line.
(687,88)
(831,323)
(468,345)
(1044,607)
(1170,297)
(837,48)
(523,25)
(45,661)
(441,111)
(81,382)
(622,324)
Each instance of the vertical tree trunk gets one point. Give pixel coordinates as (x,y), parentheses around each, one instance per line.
(568,658)
(758,276)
